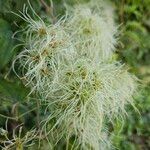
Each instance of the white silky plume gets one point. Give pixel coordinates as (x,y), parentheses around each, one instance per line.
(85,96)
(94,30)
(68,65)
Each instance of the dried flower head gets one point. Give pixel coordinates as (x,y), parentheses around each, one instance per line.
(85,95)
(18,142)
(67,63)
(94,30)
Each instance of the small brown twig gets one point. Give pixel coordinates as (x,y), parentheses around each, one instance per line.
(38,114)
(122,11)
(49,10)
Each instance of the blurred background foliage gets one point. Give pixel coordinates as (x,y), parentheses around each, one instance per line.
(133,49)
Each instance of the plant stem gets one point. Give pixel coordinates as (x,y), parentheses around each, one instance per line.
(49,10)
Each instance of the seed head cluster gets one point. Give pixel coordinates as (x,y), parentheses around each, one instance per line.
(68,65)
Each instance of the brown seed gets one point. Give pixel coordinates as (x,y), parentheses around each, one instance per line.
(42,31)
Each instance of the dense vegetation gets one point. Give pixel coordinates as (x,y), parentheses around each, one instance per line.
(133,133)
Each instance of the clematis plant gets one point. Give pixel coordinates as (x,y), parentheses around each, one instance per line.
(69,65)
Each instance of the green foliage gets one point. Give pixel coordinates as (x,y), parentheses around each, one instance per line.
(13,90)
(134,17)
(135,134)
(6,43)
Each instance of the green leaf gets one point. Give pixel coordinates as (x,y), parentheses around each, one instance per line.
(6,43)
(134,25)
(14,91)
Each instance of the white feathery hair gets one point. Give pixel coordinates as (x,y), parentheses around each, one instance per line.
(68,65)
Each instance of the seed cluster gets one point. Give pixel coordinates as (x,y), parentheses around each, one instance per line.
(68,65)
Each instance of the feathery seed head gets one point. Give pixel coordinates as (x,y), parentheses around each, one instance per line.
(67,63)
(92,32)
(87,95)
